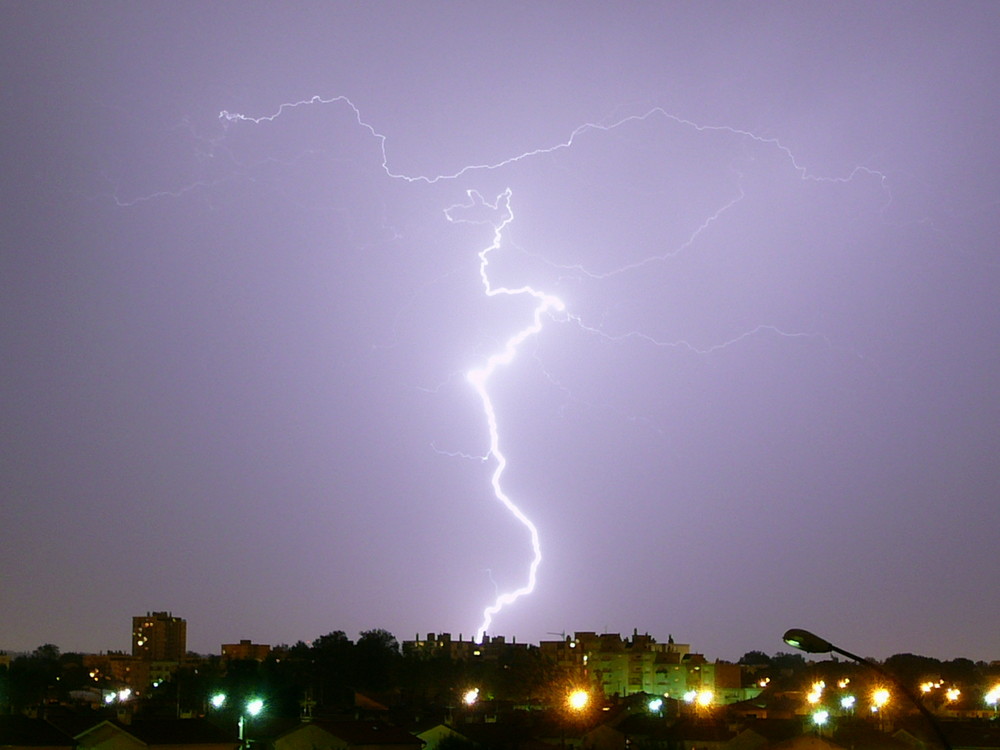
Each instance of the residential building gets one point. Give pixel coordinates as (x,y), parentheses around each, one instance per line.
(245,651)
(159,636)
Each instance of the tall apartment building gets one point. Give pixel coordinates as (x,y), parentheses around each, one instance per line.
(159,636)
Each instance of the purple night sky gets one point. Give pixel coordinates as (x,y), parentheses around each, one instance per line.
(235,350)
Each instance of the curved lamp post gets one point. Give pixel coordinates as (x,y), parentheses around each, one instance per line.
(813,644)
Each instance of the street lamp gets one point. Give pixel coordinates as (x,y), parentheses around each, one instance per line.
(253,708)
(813,644)
(992,698)
(578,699)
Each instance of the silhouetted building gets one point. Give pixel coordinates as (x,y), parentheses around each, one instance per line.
(159,636)
(245,651)
(442,644)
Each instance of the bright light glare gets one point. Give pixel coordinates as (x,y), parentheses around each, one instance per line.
(655,705)
(255,706)
(880,697)
(847,702)
(690,695)
(578,700)
(952,694)
(123,695)
(816,693)
(993,697)
(705,698)
(820,717)
(470,697)
(218,700)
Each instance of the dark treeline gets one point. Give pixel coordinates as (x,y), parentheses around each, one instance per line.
(323,677)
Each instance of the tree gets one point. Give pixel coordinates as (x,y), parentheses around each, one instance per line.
(911,669)
(790,663)
(376,660)
(46,652)
(333,663)
(755,659)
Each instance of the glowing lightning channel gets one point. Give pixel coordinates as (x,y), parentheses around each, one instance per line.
(546,304)
(479,378)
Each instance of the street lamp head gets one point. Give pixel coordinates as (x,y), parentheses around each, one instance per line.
(255,706)
(806,641)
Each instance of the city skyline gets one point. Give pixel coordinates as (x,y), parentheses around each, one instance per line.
(165,642)
(337,316)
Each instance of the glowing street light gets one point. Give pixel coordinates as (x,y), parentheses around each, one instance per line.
(813,644)
(253,707)
(471,697)
(218,700)
(654,705)
(578,700)
(816,693)
(992,698)
(820,717)
(880,696)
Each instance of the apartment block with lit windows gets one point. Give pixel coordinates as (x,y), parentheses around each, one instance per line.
(159,636)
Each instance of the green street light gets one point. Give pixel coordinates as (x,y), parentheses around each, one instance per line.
(218,700)
(252,708)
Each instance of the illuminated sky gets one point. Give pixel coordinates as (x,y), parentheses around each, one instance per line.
(235,349)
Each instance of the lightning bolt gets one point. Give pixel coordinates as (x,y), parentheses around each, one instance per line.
(479,378)
(546,306)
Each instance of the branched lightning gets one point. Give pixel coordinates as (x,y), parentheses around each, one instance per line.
(801,169)
(479,377)
(545,304)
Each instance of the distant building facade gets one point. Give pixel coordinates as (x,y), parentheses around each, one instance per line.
(159,646)
(245,651)
(625,666)
(159,636)
(443,645)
